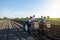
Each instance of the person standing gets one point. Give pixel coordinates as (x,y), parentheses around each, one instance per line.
(41,23)
(42,19)
(26,24)
(33,18)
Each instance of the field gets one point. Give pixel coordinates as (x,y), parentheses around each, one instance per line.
(13,30)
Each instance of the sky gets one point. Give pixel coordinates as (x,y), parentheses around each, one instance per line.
(26,8)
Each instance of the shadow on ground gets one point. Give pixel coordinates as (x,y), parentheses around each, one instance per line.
(14,34)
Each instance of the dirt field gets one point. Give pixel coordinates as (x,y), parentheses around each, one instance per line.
(54,33)
(12,30)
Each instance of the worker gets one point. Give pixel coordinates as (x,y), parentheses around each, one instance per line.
(33,18)
(41,23)
(42,19)
(26,24)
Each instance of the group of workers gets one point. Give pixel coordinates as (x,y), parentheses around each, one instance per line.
(30,20)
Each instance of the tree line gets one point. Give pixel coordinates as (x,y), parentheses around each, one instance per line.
(21,18)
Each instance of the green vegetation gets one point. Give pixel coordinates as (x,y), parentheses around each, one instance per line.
(55,21)
(4,18)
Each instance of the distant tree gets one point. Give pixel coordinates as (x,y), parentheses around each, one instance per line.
(16,18)
(48,17)
(22,18)
(0,18)
(44,17)
(5,17)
